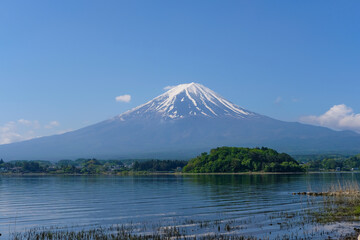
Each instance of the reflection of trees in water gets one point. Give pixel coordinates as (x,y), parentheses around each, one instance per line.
(244,188)
(240,180)
(265,185)
(320,182)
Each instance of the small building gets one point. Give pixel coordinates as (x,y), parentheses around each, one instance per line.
(52,168)
(115,167)
(16,169)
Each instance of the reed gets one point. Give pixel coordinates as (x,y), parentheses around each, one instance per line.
(340,202)
(116,233)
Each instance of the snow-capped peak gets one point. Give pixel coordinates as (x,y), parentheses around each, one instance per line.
(187,100)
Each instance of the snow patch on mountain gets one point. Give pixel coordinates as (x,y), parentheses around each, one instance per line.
(186,100)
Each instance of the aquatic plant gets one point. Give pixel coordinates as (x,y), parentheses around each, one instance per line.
(340,202)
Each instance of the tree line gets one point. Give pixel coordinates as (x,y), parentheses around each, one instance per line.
(218,160)
(159,165)
(334,163)
(91,166)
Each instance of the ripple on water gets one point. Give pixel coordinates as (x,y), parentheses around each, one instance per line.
(247,200)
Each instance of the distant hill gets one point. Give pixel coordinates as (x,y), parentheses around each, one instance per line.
(233,160)
(186,120)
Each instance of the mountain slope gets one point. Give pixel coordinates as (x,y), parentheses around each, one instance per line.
(181,123)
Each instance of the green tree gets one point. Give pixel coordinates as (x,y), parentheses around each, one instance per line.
(232,159)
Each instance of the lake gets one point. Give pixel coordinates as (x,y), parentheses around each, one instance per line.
(253,205)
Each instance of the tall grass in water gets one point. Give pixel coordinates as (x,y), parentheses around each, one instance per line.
(116,233)
(340,202)
(350,188)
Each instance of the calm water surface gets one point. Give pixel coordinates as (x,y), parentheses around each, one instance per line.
(252,202)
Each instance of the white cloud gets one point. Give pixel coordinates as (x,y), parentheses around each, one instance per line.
(64,131)
(24,121)
(22,129)
(33,124)
(168,88)
(123,98)
(10,132)
(339,117)
(52,124)
(278,100)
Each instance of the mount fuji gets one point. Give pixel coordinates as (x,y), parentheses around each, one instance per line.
(184,101)
(182,122)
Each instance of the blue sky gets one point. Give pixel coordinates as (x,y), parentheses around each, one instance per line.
(62,63)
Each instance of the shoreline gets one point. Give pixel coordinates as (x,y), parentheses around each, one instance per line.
(205,231)
(170,174)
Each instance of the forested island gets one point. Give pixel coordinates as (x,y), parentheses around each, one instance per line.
(218,160)
(235,159)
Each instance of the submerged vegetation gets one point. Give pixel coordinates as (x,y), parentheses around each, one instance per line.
(190,230)
(284,225)
(339,203)
(117,233)
(233,159)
